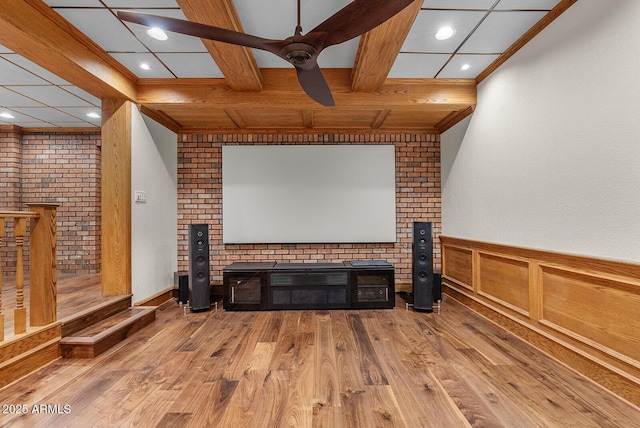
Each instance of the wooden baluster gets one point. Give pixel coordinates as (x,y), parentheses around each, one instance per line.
(1,313)
(20,313)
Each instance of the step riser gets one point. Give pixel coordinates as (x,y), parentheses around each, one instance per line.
(93,316)
(90,347)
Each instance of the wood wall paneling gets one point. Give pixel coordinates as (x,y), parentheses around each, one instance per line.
(603,312)
(585,311)
(458,266)
(505,280)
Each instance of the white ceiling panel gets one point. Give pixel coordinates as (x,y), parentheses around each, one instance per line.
(422,38)
(103,28)
(499,31)
(83,94)
(141,3)
(314,12)
(252,14)
(133,61)
(14,75)
(191,65)
(417,65)
(458,4)
(35,69)
(9,98)
(74,3)
(51,95)
(339,56)
(266,59)
(175,43)
(24,121)
(527,4)
(80,113)
(477,62)
(46,114)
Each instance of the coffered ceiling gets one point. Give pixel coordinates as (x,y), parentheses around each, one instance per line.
(60,58)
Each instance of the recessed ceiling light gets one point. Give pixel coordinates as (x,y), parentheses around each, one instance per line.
(7,115)
(93,115)
(445,33)
(465,67)
(145,66)
(157,33)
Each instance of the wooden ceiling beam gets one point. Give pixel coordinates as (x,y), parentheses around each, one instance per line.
(379,48)
(281,90)
(33,30)
(237,63)
(453,118)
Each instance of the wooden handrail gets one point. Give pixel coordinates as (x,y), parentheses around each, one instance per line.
(20,214)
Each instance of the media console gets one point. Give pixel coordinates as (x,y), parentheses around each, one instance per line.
(356,284)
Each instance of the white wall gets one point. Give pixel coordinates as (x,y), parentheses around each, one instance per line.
(551,156)
(154,224)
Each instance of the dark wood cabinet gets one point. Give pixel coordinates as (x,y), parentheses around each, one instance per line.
(272,286)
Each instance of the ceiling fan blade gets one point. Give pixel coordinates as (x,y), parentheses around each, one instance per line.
(203,31)
(314,84)
(353,20)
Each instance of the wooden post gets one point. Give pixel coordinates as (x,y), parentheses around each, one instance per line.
(1,314)
(116,197)
(20,312)
(43,267)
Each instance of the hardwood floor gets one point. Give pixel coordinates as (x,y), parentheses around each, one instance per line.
(74,292)
(359,368)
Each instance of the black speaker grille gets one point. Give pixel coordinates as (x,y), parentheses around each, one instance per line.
(422,266)
(199,275)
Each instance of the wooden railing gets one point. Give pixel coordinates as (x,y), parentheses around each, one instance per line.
(42,266)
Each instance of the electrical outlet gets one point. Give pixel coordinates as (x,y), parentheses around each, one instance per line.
(141,196)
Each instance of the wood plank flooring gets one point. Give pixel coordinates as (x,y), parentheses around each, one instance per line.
(75,293)
(357,368)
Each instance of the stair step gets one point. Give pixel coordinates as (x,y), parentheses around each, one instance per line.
(80,320)
(97,338)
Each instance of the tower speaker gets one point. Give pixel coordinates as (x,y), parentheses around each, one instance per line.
(199,277)
(422,266)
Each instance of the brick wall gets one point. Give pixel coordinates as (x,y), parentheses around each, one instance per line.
(10,189)
(65,168)
(62,168)
(200,193)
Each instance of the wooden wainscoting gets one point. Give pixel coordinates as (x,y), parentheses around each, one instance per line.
(583,311)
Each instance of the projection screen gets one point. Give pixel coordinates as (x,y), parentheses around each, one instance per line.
(308,194)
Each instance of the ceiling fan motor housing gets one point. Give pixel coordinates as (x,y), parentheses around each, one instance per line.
(298,53)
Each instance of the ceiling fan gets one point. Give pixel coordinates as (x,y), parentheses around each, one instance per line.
(301,50)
